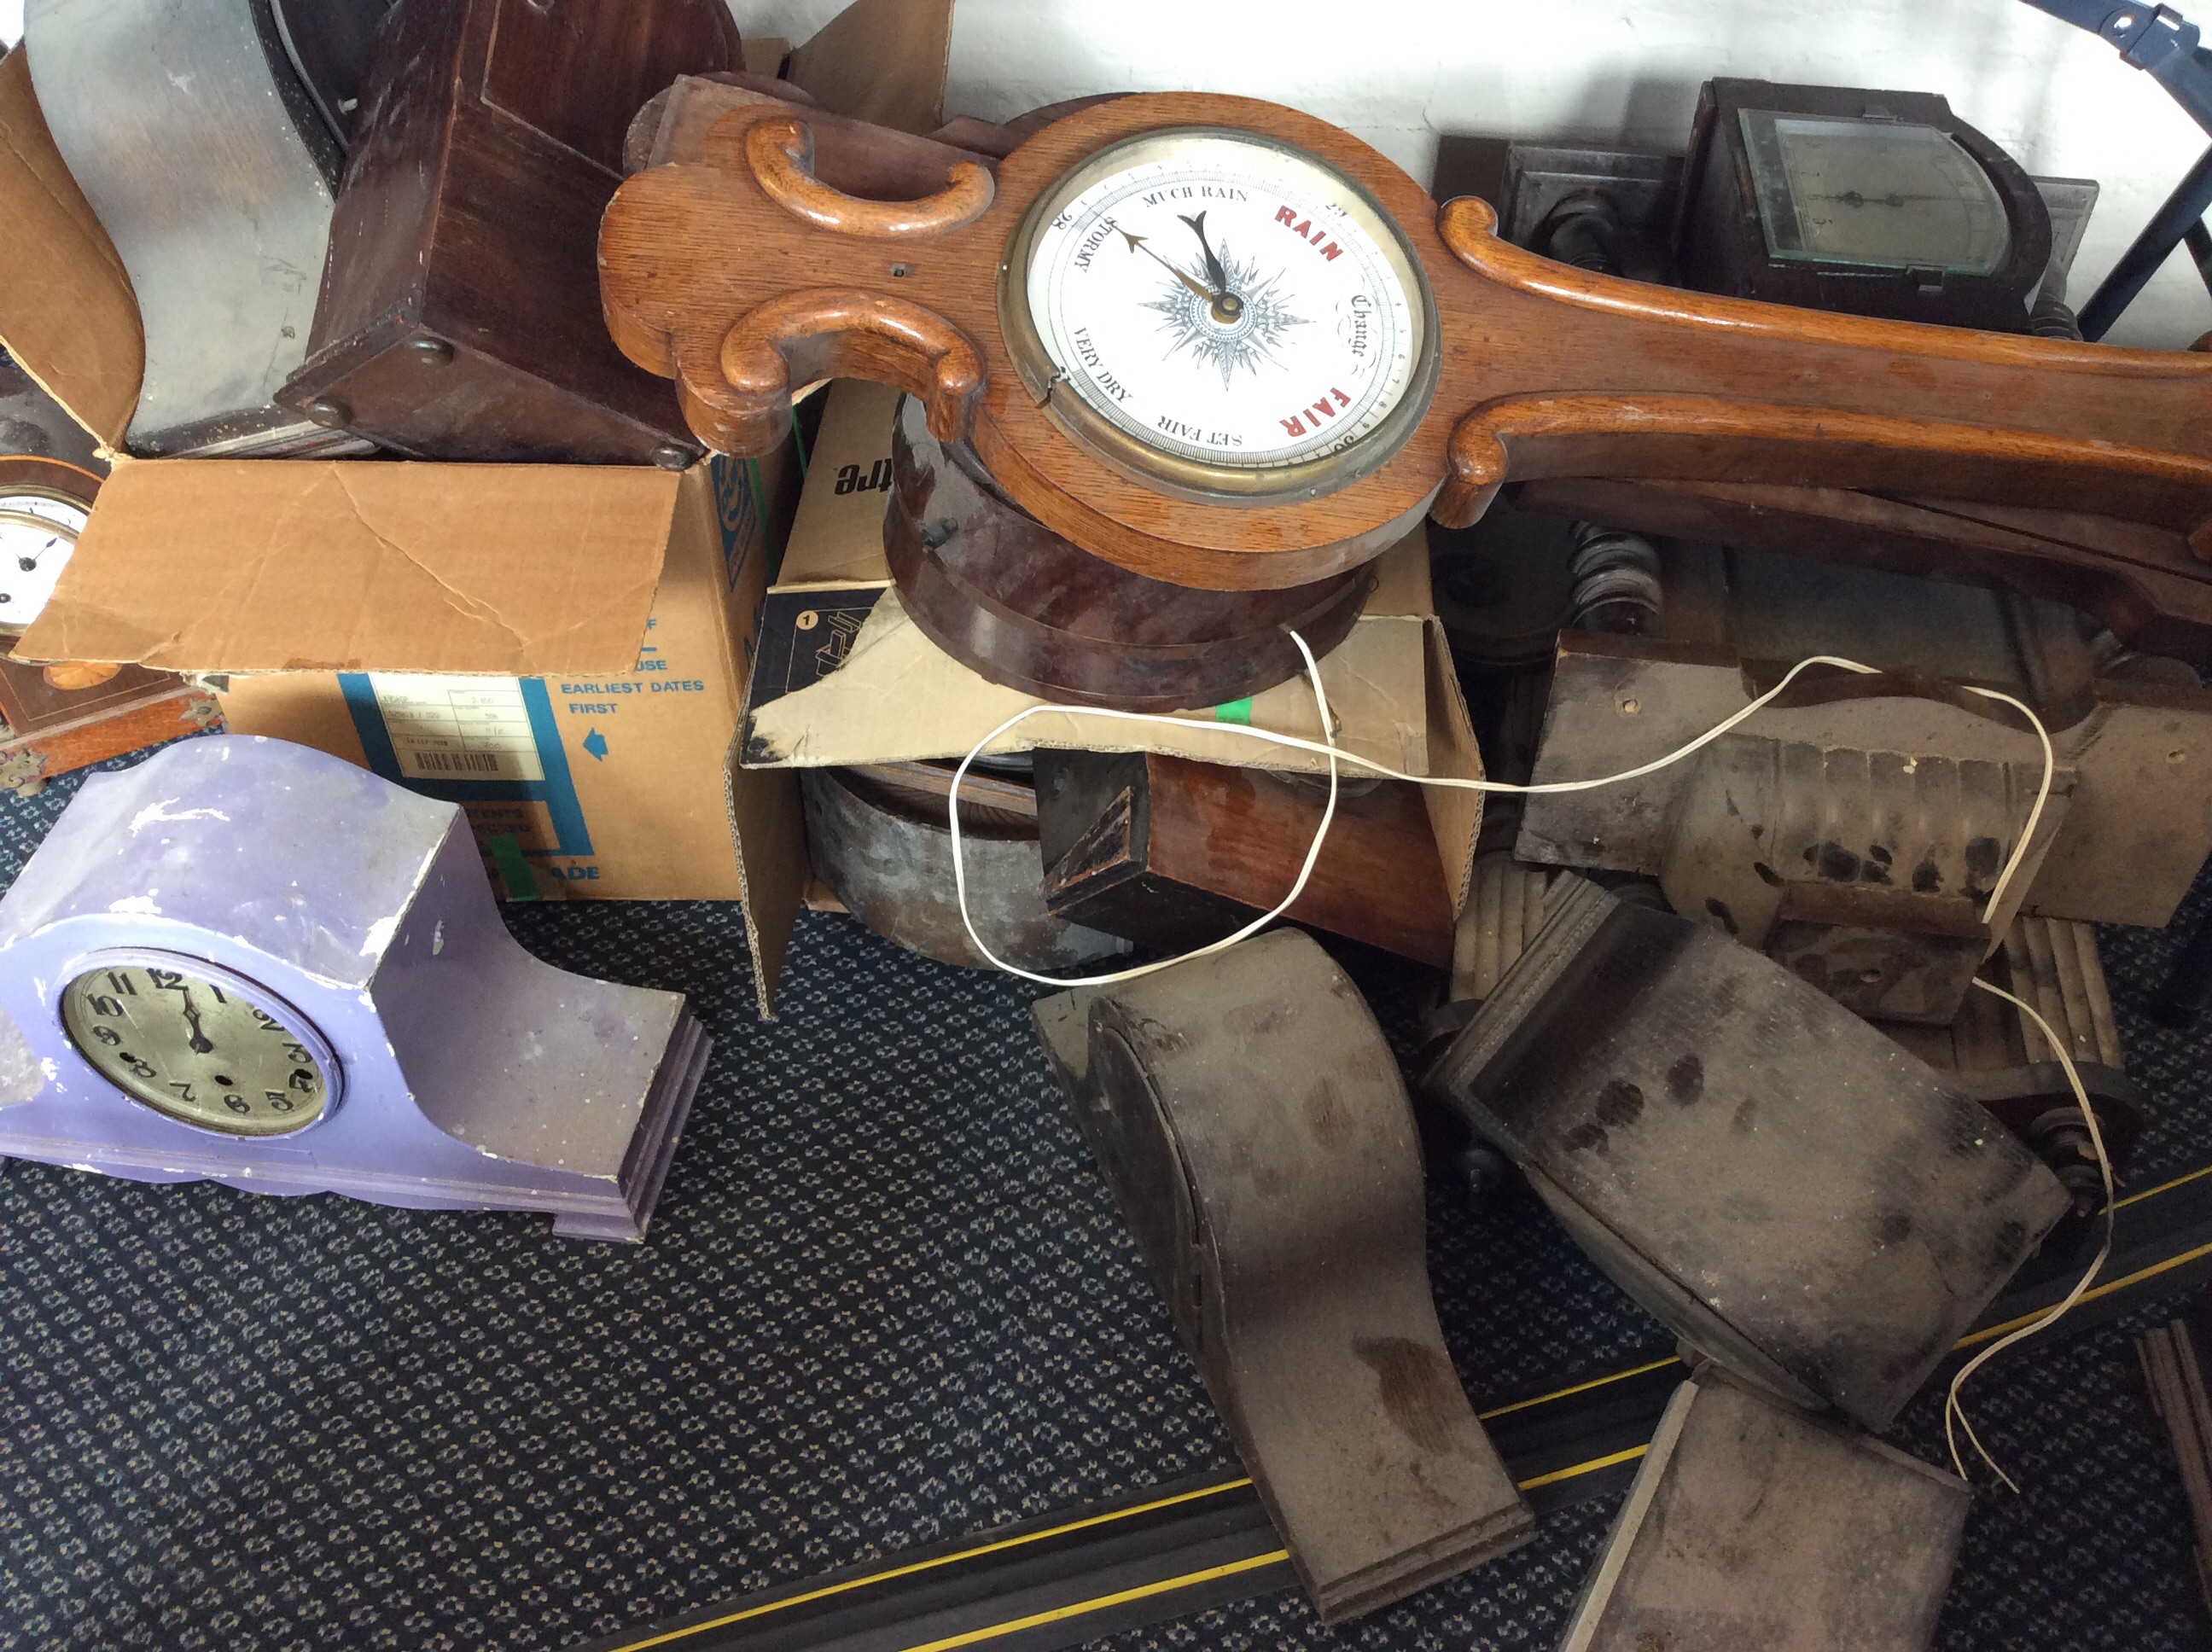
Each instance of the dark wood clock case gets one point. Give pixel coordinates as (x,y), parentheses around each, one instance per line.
(1720,246)
(460,311)
(1173,853)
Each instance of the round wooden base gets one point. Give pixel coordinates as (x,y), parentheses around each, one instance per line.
(883,847)
(1013,601)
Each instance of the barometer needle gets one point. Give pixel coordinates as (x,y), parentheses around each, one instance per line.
(1218,304)
(1214,272)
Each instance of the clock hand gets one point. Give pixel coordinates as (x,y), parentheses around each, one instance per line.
(1212,302)
(200,1044)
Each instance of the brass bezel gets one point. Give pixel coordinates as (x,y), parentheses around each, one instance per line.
(1171,473)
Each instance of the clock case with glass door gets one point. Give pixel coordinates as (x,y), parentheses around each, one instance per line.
(1857,202)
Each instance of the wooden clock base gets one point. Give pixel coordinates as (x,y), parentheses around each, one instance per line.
(1017,604)
(49,727)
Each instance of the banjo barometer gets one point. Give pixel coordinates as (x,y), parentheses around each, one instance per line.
(1221,344)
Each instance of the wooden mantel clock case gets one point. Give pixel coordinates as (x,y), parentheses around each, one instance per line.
(1222,343)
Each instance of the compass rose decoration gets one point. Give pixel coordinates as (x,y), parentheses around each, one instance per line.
(1232,319)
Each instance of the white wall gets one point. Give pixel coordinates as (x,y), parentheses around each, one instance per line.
(1402,73)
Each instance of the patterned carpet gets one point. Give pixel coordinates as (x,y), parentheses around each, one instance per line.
(885,1300)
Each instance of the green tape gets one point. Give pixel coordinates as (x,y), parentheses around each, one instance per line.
(760,510)
(799,437)
(513,870)
(1237,711)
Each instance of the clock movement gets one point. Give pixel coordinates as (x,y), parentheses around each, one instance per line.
(247,961)
(1223,344)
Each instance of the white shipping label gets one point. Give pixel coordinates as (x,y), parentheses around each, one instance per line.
(458,728)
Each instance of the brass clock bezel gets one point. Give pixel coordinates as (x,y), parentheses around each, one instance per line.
(1171,473)
(243,988)
(10,627)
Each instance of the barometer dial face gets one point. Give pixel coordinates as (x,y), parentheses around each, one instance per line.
(200,1045)
(1222,314)
(38,529)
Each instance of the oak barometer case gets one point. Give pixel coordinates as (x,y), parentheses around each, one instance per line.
(743,276)
(247,961)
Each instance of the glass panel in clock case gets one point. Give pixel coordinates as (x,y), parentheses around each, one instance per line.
(1888,194)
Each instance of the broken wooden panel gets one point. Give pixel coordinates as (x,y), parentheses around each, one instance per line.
(1753,1525)
(1205,1091)
(1797,1196)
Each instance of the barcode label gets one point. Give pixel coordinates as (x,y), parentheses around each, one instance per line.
(459,762)
(458,728)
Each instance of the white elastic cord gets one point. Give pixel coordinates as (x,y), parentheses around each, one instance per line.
(1299,887)
(1951,1407)
(1334,753)
(1329,748)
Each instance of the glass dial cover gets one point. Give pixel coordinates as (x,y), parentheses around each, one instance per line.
(38,529)
(199,1044)
(1221,313)
(1890,194)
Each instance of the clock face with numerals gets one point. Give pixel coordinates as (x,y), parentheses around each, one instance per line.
(38,529)
(200,1044)
(1221,314)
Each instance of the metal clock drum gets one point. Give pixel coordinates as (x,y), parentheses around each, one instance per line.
(247,961)
(1158,310)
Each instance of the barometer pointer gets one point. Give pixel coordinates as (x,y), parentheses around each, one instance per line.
(1227,306)
(1219,305)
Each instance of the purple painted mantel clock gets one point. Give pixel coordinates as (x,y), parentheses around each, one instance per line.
(251,963)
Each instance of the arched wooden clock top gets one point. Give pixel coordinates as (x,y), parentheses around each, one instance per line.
(742,279)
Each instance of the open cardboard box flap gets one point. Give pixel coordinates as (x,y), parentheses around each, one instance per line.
(251,565)
(67,311)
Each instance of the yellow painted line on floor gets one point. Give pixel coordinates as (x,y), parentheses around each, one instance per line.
(1590,1467)
(1060,1614)
(1188,1579)
(1579,1387)
(2162,1188)
(670,1636)
(2090,1295)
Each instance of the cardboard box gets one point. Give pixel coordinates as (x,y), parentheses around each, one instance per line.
(562,649)
(843,677)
